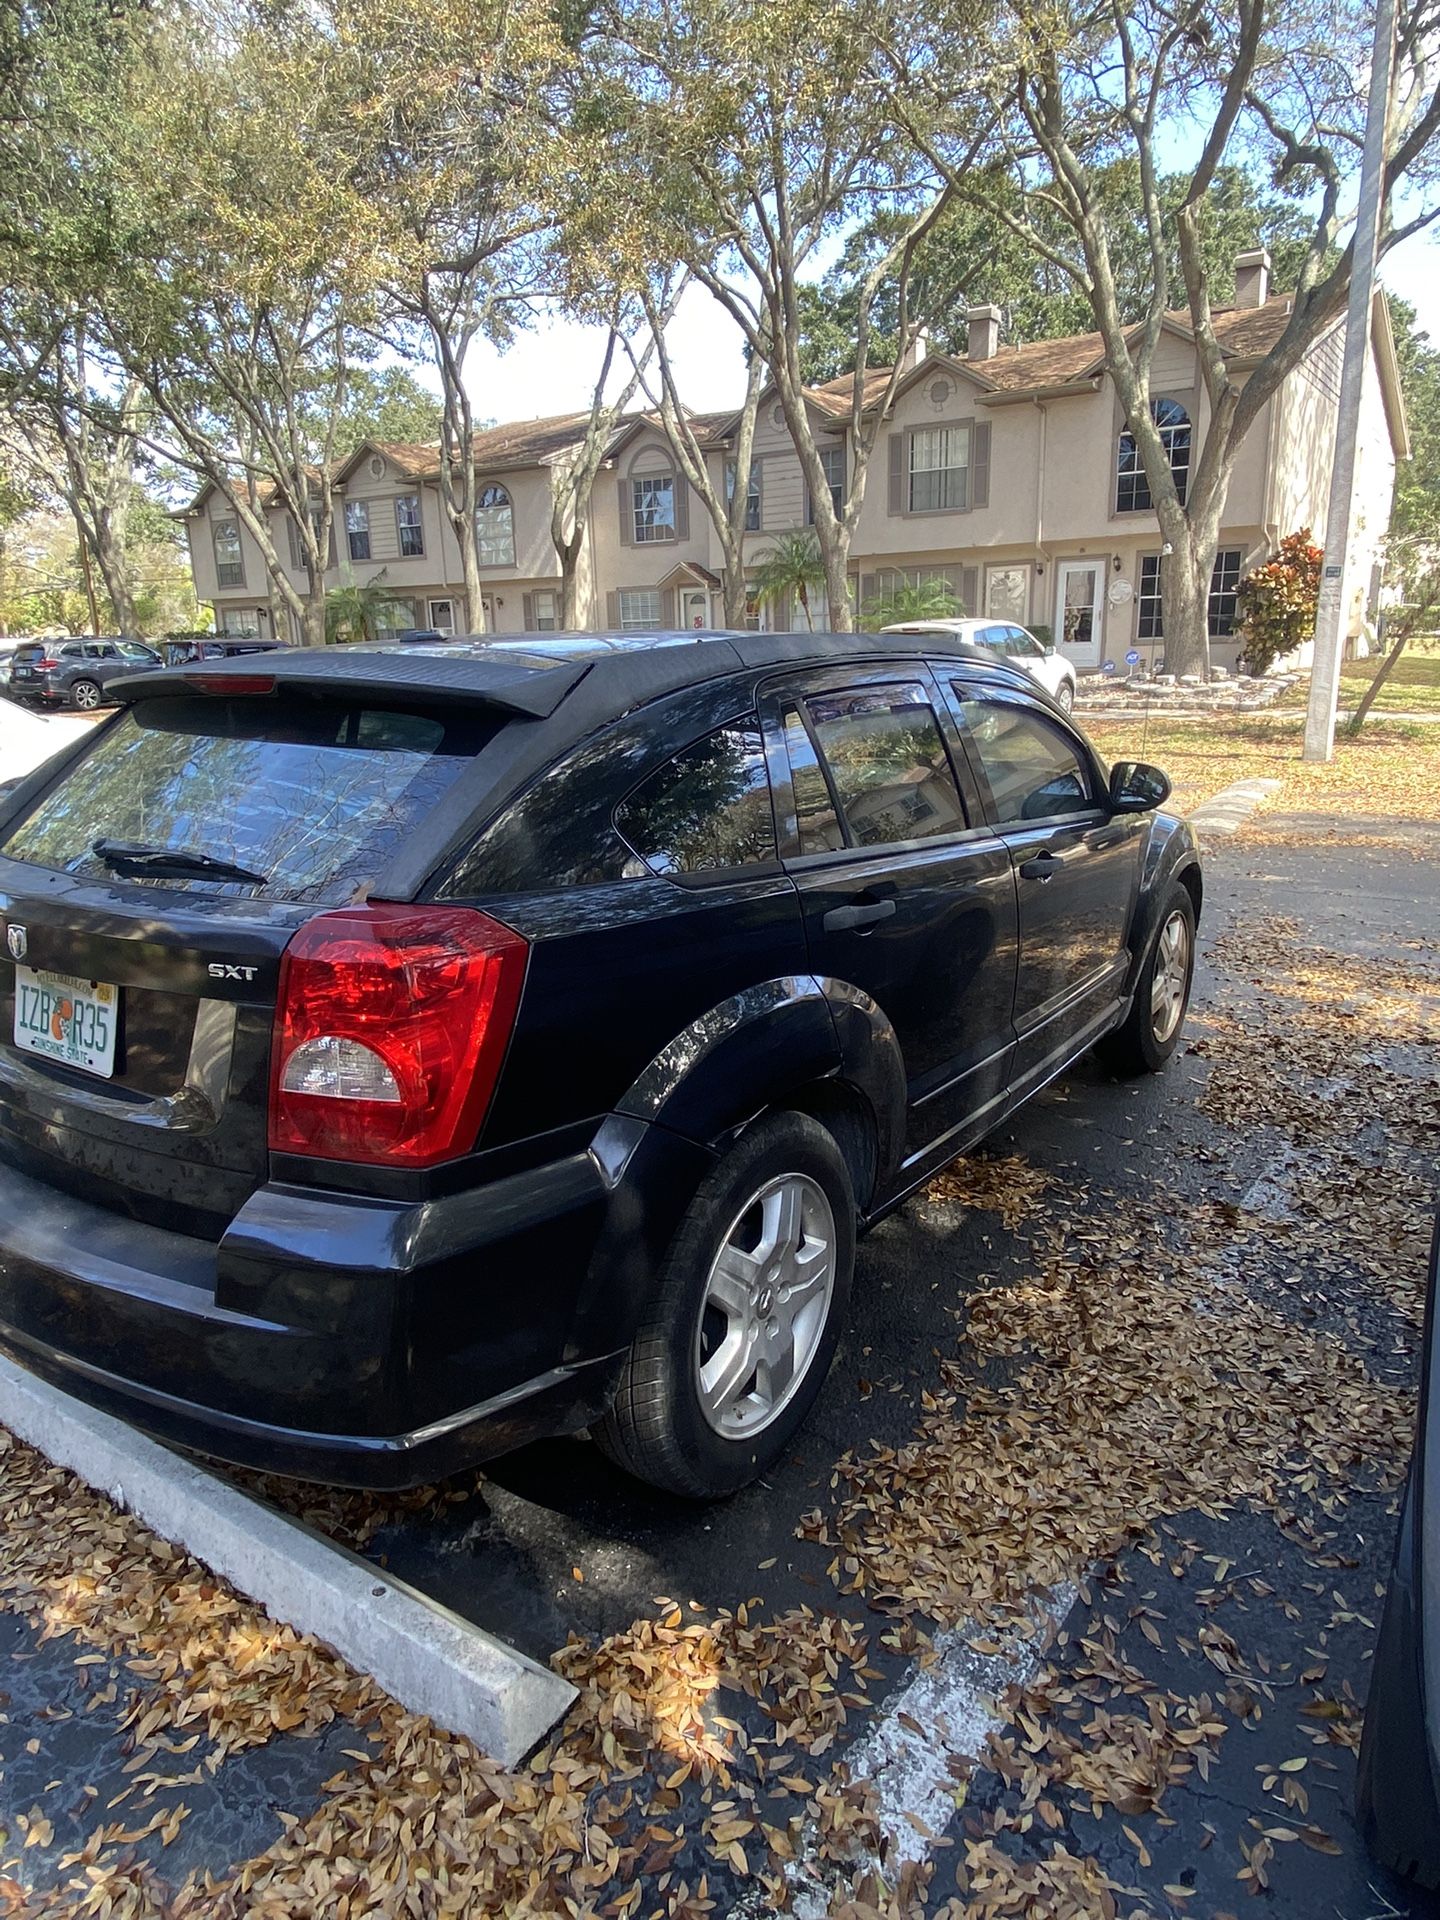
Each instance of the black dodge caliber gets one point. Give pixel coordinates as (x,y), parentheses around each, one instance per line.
(407,1051)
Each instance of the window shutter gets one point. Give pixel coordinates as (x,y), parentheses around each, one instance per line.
(612,609)
(897,473)
(527,601)
(667,608)
(293,533)
(980,464)
(627,512)
(868,589)
(682,508)
(969,590)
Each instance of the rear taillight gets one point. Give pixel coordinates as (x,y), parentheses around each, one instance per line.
(46,665)
(391,1026)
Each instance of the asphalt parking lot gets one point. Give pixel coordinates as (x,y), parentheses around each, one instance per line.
(1259,1614)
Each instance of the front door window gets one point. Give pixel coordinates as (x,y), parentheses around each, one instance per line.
(1078,613)
(697,607)
(442,615)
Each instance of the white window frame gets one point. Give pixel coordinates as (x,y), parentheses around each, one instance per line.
(228,530)
(357,527)
(447,624)
(546,622)
(404,525)
(636,620)
(648,528)
(933,452)
(495,526)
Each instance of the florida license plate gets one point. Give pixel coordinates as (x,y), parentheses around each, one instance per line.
(66,1019)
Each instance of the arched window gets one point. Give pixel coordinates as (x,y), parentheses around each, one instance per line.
(1132,489)
(495,528)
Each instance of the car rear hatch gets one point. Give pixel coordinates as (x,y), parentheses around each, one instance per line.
(25,664)
(149,890)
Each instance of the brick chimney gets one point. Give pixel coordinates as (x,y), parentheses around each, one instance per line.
(984,342)
(1252,278)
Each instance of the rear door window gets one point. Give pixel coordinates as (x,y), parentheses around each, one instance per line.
(707,809)
(874,756)
(314,795)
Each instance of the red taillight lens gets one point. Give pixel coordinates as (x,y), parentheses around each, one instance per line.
(391,1026)
(46,664)
(230,683)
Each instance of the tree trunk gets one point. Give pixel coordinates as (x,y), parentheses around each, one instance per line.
(108,552)
(312,619)
(735,597)
(1371,693)
(569,555)
(836,556)
(1185,595)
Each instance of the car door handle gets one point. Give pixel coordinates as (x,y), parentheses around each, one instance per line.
(1043,867)
(865,914)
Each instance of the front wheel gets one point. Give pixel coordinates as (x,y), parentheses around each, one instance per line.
(1065,696)
(744,1323)
(85,694)
(1151,1031)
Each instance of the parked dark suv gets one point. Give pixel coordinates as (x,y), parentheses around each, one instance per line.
(75,673)
(408,1052)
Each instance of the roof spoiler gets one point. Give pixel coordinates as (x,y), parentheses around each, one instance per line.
(527,691)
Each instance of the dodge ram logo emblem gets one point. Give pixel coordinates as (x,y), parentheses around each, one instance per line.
(16,941)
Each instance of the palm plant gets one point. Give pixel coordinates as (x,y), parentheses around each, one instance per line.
(353,611)
(792,566)
(929,599)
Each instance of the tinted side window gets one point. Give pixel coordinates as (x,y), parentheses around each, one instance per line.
(1024,646)
(1033,770)
(815,816)
(887,763)
(707,808)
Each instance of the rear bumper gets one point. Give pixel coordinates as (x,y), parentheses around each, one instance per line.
(345,1339)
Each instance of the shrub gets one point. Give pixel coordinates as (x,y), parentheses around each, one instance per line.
(1277,602)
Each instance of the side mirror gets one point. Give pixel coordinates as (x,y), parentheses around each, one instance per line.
(1136,787)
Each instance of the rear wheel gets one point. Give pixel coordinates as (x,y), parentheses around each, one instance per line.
(1151,1031)
(744,1323)
(85,694)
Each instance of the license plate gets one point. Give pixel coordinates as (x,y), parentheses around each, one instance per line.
(66,1019)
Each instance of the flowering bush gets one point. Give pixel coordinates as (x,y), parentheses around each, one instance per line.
(1277,601)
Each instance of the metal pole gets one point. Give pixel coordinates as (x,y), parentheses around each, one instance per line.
(1329,614)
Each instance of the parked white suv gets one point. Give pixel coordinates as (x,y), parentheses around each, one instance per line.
(1055,675)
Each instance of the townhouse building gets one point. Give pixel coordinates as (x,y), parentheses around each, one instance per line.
(1007,471)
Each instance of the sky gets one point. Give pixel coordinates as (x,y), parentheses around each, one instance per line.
(553,368)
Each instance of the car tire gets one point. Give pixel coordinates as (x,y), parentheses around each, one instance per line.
(1065,696)
(1151,1030)
(85,695)
(762,1258)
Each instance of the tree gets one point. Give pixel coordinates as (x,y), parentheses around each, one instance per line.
(792,566)
(1415,517)
(387,403)
(992,265)
(1083,85)
(353,611)
(727,501)
(753,134)
(930,599)
(456,95)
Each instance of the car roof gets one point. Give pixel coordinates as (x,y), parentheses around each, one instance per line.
(531,674)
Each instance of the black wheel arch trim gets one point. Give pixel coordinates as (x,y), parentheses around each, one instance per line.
(1170,855)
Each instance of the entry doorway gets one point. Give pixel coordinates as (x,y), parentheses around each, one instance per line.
(694,608)
(1079,611)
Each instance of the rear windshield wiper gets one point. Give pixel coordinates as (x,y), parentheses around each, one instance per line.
(124,857)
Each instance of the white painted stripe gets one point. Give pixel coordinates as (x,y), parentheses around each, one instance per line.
(953,1700)
(424,1656)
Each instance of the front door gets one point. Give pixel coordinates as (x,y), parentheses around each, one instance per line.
(695,608)
(906,895)
(1077,870)
(1079,612)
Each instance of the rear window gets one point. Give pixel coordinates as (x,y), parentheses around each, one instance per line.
(315,796)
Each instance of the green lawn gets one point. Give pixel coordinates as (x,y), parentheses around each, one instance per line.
(1392,769)
(1413,686)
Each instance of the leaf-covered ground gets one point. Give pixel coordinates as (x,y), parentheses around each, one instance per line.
(1190,1401)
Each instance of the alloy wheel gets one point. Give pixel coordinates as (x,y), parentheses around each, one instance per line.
(87,696)
(766,1303)
(1171,977)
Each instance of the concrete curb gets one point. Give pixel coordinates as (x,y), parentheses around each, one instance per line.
(1224,812)
(424,1656)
